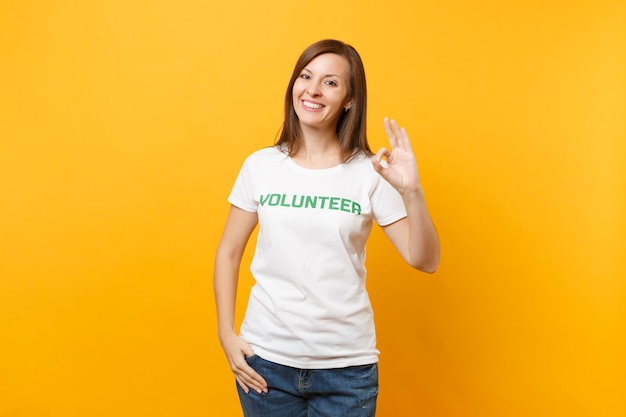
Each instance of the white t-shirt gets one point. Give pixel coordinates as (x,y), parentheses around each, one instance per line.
(309,307)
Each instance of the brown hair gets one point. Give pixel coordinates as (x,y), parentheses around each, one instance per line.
(351,127)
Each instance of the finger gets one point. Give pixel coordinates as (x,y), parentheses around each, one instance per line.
(378,162)
(393,138)
(395,128)
(258,381)
(247,382)
(404,141)
(251,378)
(401,136)
(243,386)
(377,165)
(253,384)
(382,153)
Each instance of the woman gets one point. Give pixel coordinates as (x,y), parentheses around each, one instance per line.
(307,345)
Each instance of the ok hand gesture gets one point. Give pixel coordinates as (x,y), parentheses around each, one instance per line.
(398,167)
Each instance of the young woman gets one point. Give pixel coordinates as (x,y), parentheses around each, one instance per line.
(307,346)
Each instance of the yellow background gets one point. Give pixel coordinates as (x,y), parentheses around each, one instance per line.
(123,125)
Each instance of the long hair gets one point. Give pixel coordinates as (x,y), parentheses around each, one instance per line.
(351,127)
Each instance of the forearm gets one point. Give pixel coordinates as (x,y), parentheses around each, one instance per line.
(239,226)
(423,243)
(225,282)
(225,285)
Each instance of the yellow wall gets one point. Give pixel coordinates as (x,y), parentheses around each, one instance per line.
(124,123)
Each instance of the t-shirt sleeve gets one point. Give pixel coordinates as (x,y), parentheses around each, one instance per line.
(242,193)
(387,204)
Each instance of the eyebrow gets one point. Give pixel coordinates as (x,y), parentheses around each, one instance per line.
(327,75)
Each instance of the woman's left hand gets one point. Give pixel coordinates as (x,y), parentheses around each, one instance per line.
(398,167)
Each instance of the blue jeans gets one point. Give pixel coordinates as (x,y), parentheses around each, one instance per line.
(292,392)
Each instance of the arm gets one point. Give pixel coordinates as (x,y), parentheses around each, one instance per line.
(239,226)
(414,236)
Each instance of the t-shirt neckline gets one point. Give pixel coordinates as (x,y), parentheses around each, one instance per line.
(313,171)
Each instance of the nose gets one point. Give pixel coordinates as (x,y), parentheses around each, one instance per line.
(313,90)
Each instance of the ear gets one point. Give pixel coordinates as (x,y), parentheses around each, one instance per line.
(348,105)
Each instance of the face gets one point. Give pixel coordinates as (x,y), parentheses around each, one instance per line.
(320,93)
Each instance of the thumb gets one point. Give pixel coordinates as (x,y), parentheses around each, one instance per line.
(376,164)
(379,164)
(246,349)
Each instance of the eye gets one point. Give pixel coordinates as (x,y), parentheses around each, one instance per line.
(331,82)
(305,76)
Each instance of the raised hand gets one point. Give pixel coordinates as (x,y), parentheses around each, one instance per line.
(397,166)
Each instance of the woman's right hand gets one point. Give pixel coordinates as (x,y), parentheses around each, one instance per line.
(236,350)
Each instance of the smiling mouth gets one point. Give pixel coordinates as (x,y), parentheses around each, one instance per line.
(313,106)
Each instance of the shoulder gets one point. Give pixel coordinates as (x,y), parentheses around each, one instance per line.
(265,156)
(361,169)
(362,164)
(271,152)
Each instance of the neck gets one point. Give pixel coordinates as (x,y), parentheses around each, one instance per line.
(319,149)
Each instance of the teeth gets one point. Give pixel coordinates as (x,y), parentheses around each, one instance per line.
(312,105)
